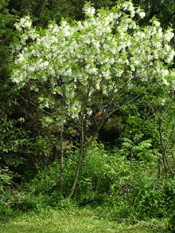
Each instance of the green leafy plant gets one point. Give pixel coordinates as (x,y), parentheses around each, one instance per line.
(60,62)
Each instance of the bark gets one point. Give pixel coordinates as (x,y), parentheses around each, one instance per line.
(80,161)
(76,176)
(82,155)
(62,147)
(61,163)
(159,168)
(164,152)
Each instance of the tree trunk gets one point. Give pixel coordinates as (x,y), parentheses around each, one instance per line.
(82,155)
(159,168)
(61,163)
(80,161)
(164,153)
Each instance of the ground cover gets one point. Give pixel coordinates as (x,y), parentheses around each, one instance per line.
(76,221)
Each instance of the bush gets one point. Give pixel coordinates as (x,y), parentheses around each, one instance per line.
(136,194)
(6,191)
(124,188)
(94,182)
(169,192)
(172,223)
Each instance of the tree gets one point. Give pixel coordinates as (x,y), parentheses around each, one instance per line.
(82,70)
(163,11)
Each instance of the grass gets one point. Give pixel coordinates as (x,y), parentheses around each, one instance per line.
(75,221)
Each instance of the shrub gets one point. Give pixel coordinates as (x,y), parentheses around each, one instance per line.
(124,188)
(6,191)
(172,222)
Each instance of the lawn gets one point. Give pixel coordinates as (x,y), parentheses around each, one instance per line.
(77,221)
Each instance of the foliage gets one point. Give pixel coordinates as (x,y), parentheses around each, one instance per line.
(123,188)
(102,77)
(172,222)
(81,220)
(6,191)
(43,190)
(60,62)
(169,190)
(138,196)
(6,34)
(163,11)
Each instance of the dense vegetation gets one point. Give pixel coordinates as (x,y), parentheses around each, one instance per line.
(87,109)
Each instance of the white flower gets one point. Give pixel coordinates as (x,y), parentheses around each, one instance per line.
(26,22)
(68,72)
(63,23)
(170,56)
(156,23)
(142,15)
(168,35)
(159,33)
(66,31)
(140,34)
(167,48)
(158,44)
(21,58)
(99,51)
(163,102)
(136,62)
(98,86)
(164,72)
(18,26)
(89,11)
(106,74)
(46,63)
(93,70)
(165,82)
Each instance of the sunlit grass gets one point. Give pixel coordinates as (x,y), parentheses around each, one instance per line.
(77,221)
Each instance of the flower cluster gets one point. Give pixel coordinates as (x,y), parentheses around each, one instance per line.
(24,23)
(99,53)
